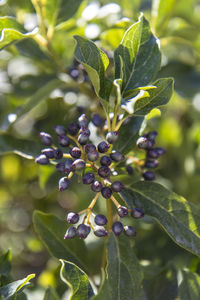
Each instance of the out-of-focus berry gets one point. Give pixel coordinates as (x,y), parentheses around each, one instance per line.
(103,147)
(72,218)
(112,136)
(117,228)
(96,186)
(106,192)
(46,138)
(42,160)
(100,220)
(63,184)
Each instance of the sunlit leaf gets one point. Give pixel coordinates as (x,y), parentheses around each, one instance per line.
(95,62)
(77,280)
(137,59)
(15,287)
(11,31)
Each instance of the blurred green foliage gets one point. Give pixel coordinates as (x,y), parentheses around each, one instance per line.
(36,93)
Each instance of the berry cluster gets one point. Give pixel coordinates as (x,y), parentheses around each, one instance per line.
(96,165)
(147,142)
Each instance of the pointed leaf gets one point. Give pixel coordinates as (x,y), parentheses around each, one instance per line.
(5,263)
(67,9)
(178,217)
(124,280)
(189,288)
(15,287)
(51,231)
(77,280)
(137,59)
(157,97)
(11,31)
(95,62)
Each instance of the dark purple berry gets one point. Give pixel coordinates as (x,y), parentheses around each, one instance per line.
(152,135)
(137,213)
(152,153)
(106,192)
(100,220)
(70,233)
(105,160)
(100,231)
(60,167)
(117,228)
(60,130)
(96,186)
(78,164)
(88,178)
(112,136)
(117,156)
(63,184)
(72,218)
(63,140)
(103,147)
(151,163)
(97,120)
(74,73)
(58,154)
(48,152)
(129,231)
(42,160)
(68,165)
(73,129)
(122,211)
(75,152)
(129,170)
(117,186)
(104,171)
(83,138)
(85,130)
(46,138)
(83,121)
(89,147)
(160,150)
(83,231)
(149,175)
(142,142)
(93,155)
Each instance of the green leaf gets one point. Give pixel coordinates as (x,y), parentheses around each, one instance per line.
(179,218)
(15,287)
(26,148)
(95,62)
(51,294)
(189,288)
(161,12)
(77,280)
(51,231)
(11,31)
(51,11)
(128,134)
(137,59)
(145,101)
(5,263)
(124,275)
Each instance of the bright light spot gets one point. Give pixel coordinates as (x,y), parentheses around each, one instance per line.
(12,118)
(92,31)
(90,11)
(2,2)
(196,101)
(30,22)
(108,9)
(70,98)
(56,94)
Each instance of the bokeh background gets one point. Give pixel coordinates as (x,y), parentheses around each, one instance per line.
(25,68)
